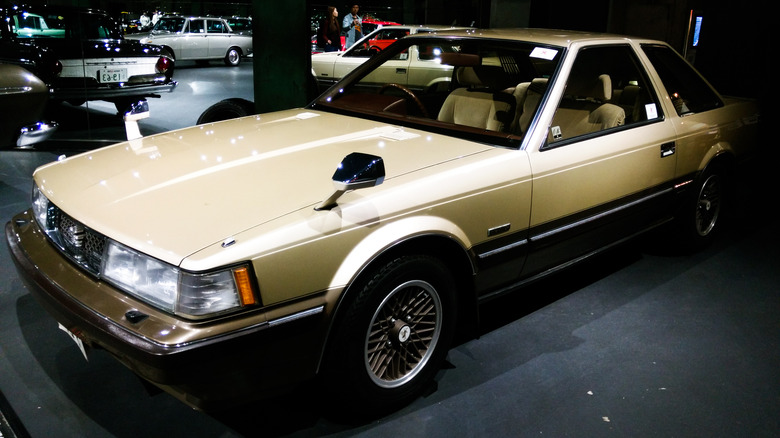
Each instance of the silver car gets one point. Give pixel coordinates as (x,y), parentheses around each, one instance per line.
(197,39)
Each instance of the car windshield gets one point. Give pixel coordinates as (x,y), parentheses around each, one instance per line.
(487,89)
(76,25)
(169,24)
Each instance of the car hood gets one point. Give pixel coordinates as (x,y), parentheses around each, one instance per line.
(172,194)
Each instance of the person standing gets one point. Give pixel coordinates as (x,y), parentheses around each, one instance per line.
(145,21)
(329,33)
(353,25)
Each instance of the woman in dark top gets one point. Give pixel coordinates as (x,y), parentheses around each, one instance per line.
(329,34)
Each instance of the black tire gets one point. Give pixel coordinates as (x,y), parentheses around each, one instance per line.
(227,109)
(701,217)
(233,57)
(394,336)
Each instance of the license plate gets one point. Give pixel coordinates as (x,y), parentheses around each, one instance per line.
(113,75)
(77,340)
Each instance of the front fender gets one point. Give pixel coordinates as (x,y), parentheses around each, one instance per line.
(387,236)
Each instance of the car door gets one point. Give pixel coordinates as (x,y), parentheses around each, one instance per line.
(194,40)
(218,38)
(350,60)
(606,167)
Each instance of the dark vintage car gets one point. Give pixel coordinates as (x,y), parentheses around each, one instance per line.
(91,59)
(23,98)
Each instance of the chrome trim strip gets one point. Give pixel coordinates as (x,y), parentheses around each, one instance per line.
(599,215)
(512,287)
(296,316)
(15,90)
(493,252)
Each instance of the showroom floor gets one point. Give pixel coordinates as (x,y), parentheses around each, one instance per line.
(637,342)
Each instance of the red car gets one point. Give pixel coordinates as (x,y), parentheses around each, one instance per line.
(369,25)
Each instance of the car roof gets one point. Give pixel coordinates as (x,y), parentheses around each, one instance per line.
(555,37)
(437,27)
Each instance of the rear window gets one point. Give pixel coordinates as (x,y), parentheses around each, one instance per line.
(59,24)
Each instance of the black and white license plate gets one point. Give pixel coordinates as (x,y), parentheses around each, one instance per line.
(112,75)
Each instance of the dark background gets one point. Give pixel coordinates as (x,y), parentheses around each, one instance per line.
(733,51)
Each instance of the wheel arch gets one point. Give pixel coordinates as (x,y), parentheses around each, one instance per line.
(720,154)
(167,50)
(439,245)
(238,50)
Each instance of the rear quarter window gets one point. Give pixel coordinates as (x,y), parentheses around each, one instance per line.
(689,92)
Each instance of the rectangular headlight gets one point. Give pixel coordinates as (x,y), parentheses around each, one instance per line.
(40,207)
(149,279)
(176,291)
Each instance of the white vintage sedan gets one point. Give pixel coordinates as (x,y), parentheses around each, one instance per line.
(354,240)
(197,39)
(409,68)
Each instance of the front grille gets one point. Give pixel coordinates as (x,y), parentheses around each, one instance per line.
(78,242)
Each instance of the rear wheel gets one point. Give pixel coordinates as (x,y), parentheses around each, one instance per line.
(395,336)
(233,57)
(702,215)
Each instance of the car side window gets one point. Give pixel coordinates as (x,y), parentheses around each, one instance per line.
(29,22)
(689,92)
(171,24)
(607,88)
(196,26)
(215,26)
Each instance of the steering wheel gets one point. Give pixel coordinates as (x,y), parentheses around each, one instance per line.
(409,94)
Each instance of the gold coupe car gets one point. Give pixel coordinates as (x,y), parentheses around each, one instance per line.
(353,240)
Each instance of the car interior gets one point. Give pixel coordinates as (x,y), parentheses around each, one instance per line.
(494,91)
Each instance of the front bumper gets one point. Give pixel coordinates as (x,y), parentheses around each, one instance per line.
(214,368)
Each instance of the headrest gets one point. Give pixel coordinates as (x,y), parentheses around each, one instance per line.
(460,59)
(538,85)
(599,88)
(483,76)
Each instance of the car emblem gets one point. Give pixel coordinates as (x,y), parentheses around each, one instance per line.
(76,235)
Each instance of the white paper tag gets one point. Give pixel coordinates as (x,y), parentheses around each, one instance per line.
(76,339)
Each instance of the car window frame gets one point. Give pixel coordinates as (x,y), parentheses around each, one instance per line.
(681,75)
(649,86)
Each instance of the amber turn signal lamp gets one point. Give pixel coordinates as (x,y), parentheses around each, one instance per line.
(244,285)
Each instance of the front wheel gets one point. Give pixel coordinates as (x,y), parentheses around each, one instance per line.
(226,109)
(395,336)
